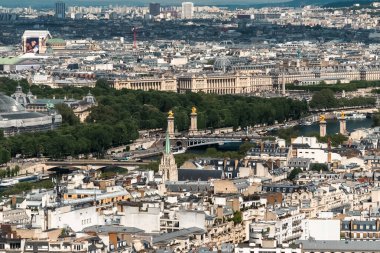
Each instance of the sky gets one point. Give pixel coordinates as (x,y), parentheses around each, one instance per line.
(50,3)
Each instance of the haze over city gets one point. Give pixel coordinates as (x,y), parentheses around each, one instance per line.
(189,126)
(50,3)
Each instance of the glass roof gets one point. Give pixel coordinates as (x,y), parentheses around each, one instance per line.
(9,105)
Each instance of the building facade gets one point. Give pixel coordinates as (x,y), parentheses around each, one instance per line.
(187,10)
(146,84)
(154,9)
(60,10)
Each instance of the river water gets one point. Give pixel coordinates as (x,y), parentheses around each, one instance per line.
(333,126)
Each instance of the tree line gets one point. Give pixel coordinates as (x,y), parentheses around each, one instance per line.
(339,87)
(326,99)
(121,113)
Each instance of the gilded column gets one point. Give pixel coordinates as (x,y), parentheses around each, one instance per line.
(193,121)
(171,124)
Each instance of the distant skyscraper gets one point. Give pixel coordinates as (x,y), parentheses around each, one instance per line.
(60,10)
(154,9)
(187,10)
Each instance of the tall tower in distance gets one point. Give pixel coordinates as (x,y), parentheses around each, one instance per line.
(60,10)
(168,168)
(187,10)
(154,9)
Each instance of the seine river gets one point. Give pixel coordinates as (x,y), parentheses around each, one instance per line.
(333,126)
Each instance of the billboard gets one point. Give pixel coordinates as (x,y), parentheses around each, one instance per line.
(35,41)
(32,45)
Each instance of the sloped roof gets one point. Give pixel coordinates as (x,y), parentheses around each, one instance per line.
(36,33)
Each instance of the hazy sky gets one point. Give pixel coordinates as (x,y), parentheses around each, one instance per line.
(50,3)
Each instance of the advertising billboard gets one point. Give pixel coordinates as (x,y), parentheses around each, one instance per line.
(34,41)
(32,45)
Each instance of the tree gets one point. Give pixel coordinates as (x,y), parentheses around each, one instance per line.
(17,169)
(151,166)
(294,173)
(8,172)
(335,139)
(5,156)
(323,99)
(121,113)
(102,84)
(237,219)
(3,174)
(318,167)
(376,119)
(245,147)
(68,116)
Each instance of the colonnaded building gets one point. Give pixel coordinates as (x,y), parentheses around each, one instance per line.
(14,118)
(250,80)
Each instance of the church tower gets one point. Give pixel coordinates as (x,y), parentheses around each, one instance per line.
(168,168)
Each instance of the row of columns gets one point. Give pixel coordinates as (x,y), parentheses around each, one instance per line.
(193,122)
(323,123)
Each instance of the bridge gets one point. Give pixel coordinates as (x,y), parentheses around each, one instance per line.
(83,164)
(191,141)
(196,138)
(98,162)
(200,140)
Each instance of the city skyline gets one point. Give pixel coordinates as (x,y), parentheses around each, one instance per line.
(189,127)
(50,4)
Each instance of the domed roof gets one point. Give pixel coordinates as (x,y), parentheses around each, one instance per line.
(222,63)
(9,105)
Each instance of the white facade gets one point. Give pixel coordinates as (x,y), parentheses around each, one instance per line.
(242,249)
(41,79)
(147,219)
(178,61)
(76,219)
(187,10)
(188,219)
(311,141)
(316,229)
(289,229)
(317,155)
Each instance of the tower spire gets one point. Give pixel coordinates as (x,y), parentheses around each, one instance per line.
(167,143)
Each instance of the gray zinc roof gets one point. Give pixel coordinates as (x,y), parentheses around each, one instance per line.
(340,246)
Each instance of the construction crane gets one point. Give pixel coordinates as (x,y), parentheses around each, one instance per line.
(134,30)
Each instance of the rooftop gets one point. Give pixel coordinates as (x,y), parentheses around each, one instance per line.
(341,246)
(10,60)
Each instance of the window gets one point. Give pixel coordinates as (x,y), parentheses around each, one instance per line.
(15,245)
(78,247)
